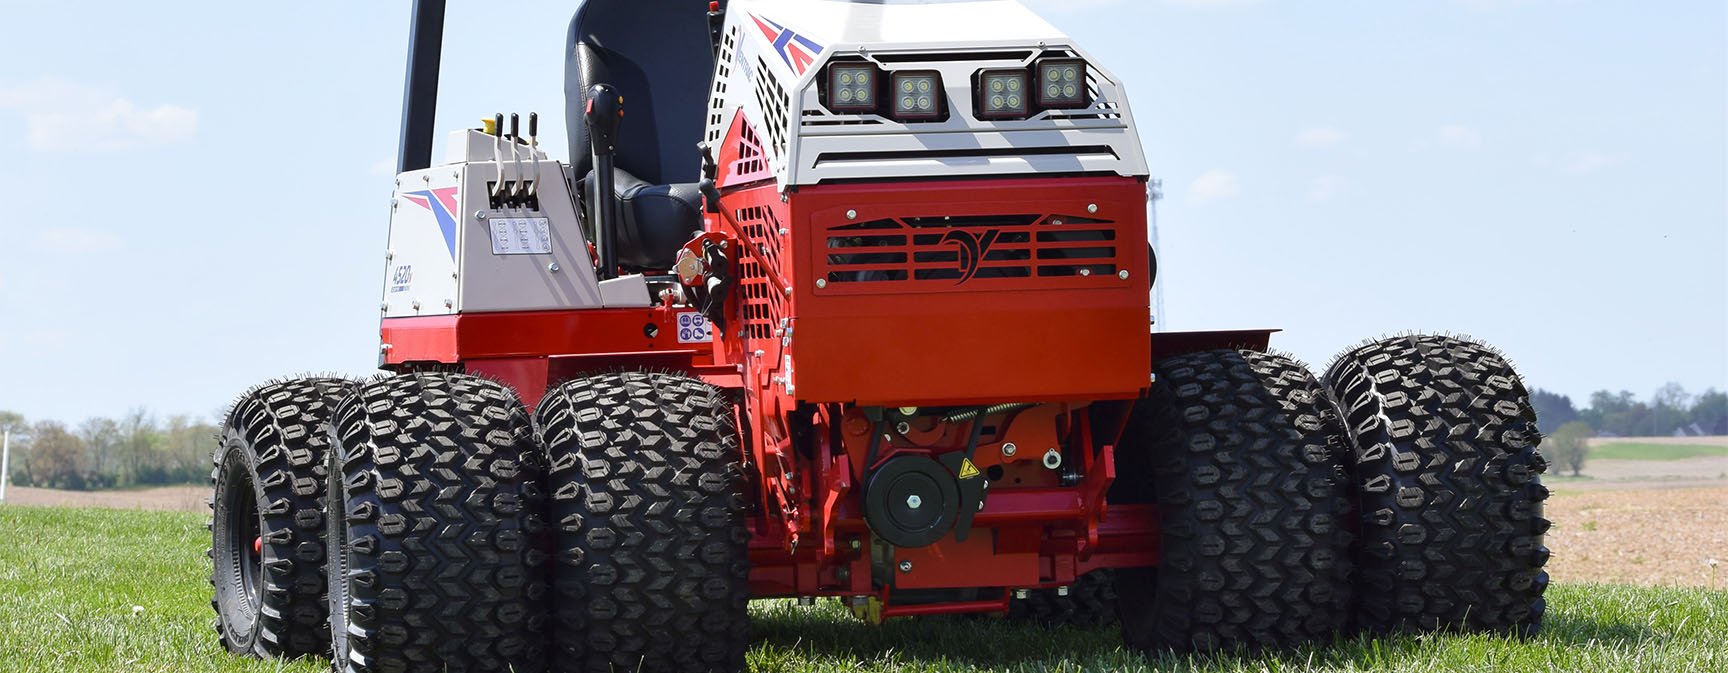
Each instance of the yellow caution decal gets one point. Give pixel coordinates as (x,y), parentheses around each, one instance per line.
(967,469)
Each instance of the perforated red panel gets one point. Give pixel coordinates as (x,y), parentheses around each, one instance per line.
(976,251)
(763,298)
(742,159)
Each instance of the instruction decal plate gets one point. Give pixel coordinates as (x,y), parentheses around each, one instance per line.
(521,235)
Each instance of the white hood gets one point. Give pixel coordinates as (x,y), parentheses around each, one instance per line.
(849,24)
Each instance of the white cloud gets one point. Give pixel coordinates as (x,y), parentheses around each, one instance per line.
(1320,137)
(1327,187)
(71,239)
(1459,136)
(1587,162)
(62,115)
(1214,185)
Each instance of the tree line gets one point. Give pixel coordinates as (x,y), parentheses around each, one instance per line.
(137,449)
(1670,411)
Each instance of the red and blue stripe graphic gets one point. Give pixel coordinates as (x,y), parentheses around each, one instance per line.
(442,203)
(796,50)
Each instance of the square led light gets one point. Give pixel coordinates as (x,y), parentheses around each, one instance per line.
(1062,83)
(918,95)
(853,87)
(1003,94)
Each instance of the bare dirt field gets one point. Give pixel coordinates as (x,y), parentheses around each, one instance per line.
(1601,475)
(1694,441)
(1653,536)
(169,499)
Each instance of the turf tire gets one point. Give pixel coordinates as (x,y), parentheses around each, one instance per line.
(1245,469)
(269,487)
(646,484)
(1447,475)
(438,510)
(1090,604)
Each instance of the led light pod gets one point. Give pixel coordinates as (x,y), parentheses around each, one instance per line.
(1062,84)
(918,96)
(1003,94)
(854,88)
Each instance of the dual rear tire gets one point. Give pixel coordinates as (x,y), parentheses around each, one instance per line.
(267,526)
(447,558)
(648,518)
(436,528)
(439,555)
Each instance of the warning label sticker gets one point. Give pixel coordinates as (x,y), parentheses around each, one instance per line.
(693,328)
(967,469)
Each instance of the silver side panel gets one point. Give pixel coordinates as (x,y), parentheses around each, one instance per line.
(452,252)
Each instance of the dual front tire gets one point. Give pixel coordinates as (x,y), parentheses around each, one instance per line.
(1423,445)
(1448,487)
(1239,451)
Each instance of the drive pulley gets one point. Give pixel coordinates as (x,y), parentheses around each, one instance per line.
(911,501)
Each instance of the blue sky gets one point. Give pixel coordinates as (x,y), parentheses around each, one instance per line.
(194,194)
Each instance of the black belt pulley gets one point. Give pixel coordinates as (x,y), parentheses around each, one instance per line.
(911,501)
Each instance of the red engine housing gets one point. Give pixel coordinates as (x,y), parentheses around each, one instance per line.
(942,295)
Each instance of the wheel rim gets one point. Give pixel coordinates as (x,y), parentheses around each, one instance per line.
(241,543)
(251,539)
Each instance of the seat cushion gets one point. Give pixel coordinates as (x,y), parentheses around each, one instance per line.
(655,220)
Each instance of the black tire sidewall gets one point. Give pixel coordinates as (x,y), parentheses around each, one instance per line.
(238,617)
(336,553)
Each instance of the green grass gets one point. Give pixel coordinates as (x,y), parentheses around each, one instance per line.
(70,578)
(1641,451)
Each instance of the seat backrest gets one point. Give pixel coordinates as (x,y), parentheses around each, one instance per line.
(658,54)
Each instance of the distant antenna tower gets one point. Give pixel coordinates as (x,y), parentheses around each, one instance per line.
(1155,195)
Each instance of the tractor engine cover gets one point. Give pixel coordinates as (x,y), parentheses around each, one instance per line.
(911,501)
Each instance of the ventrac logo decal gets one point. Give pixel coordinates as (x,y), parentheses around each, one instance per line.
(442,203)
(973,248)
(796,50)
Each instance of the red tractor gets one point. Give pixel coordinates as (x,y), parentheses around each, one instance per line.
(853,304)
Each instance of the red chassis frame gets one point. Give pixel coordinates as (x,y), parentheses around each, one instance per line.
(1041,299)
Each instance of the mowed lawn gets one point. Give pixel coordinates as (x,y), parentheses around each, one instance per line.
(69,581)
(1612,450)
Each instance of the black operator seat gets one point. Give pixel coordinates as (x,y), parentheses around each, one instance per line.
(658,55)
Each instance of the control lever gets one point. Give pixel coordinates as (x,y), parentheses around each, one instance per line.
(710,171)
(534,153)
(517,187)
(604,113)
